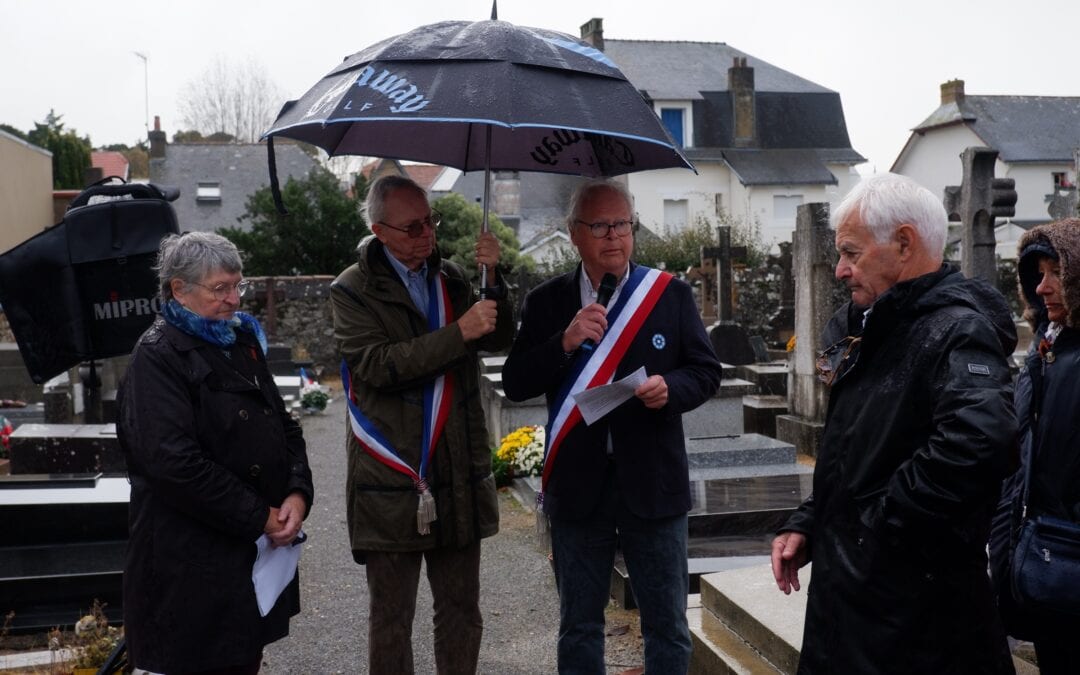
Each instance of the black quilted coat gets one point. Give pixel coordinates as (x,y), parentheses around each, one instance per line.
(919,433)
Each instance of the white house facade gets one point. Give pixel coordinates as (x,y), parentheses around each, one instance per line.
(763,140)
(1035,136)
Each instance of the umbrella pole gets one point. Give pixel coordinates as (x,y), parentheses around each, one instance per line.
(484,222)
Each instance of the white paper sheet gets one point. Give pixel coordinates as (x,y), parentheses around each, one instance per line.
(596,402)
(274,569)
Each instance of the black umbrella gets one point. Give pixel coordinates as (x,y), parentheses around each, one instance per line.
(483,95)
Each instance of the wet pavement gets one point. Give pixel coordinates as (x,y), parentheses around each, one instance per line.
(518,597)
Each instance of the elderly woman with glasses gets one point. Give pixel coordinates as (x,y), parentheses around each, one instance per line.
(215,462)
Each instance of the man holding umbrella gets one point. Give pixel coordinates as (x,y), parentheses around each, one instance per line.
(419,483)
(623,478)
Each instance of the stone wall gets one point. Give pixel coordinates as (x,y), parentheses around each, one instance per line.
(298,315)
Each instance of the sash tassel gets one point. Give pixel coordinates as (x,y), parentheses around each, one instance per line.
(437,395)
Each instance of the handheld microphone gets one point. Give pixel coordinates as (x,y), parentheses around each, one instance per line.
(603,296)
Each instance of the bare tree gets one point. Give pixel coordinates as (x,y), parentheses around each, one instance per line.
(238,99)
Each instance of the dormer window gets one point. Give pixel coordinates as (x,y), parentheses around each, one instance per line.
(208,193)
(677,118)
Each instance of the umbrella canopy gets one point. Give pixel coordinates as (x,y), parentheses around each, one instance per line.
(484,95)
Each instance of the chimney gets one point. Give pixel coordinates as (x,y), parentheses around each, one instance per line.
(741,86)
(593,33)
(157,140)
(952,92)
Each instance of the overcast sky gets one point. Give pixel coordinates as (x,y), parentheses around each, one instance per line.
(886,59)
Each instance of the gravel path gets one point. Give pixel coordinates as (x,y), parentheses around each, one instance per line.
(518,596)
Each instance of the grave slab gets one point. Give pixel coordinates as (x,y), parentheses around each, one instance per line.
(760,411)
(737,450)
(33,413)
(804,433)
(67,535)
(492,364)
(66,448)
(770,378)
(721,414)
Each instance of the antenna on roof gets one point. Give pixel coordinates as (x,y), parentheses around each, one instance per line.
(494,11)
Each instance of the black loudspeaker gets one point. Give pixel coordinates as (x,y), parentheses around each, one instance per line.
(86,288)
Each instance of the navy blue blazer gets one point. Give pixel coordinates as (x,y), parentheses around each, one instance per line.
(649,449)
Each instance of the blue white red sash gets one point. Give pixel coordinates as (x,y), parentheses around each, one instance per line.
(636,301)
(437,395)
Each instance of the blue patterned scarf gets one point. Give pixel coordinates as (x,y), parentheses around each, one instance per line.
(220,332)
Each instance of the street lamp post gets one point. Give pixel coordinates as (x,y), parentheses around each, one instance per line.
(146,87)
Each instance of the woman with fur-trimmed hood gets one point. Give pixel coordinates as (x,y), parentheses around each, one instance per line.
(1047,404)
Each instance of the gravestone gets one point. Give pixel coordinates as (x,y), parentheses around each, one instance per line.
(976,202)
(816,299)
(729,340)
(782,323)
(279,359)
(761,350)
(15,382)
(1065,203)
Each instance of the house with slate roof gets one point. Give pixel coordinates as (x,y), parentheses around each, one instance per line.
(763,140)
(216,179)
(110,163)
(1035,136)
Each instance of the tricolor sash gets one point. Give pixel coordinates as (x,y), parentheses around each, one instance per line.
(437,395)
(636,300)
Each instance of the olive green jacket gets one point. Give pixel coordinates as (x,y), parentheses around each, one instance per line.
(391,355)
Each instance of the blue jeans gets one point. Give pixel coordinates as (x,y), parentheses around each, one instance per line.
(655,554)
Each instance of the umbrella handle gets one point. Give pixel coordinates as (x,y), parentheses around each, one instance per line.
(487,192)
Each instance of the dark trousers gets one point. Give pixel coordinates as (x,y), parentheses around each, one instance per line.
(655,553)
(1055,645)
(392,578)
(245,669)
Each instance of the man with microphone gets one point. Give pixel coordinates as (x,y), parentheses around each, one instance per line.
(623,480)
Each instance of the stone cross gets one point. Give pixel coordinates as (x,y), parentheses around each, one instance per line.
(783,321)
(705,272)
(1065,202)
(724,254)
(976,202)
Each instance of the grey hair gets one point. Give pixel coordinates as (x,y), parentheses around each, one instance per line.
(375,204)
(191,256)
(585,189)
(885,201)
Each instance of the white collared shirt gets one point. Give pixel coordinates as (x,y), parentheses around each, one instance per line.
(588,293)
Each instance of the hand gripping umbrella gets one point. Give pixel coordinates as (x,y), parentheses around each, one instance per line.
(482,95)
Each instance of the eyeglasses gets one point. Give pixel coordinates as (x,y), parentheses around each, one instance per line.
(222,291)
(600,230)
(415,229)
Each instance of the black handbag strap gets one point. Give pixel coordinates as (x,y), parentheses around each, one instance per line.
(108,187)
(1035,367)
